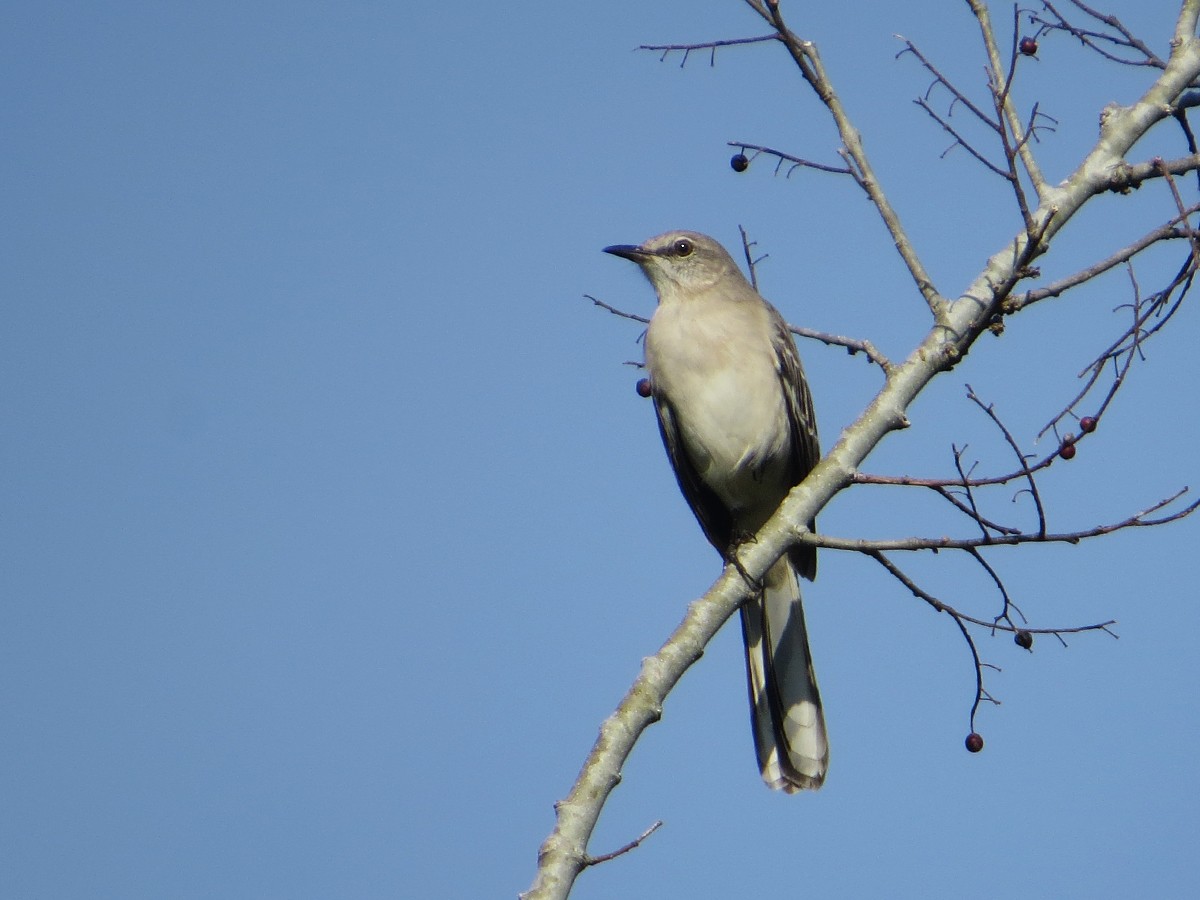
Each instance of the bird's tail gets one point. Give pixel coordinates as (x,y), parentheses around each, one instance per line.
(785,705)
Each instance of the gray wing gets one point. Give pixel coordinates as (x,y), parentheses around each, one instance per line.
(805,446)
(710,512)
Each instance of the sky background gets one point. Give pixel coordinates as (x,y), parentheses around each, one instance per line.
(331,526)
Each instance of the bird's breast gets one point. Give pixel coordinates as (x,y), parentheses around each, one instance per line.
(718,373)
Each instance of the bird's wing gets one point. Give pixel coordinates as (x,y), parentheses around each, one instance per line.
(802,421)
(710,512)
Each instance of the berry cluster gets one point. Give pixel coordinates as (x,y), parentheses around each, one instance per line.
(1087,425)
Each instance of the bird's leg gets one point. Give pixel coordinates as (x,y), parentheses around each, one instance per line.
(731,555)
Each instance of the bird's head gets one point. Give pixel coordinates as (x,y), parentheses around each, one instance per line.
(680,263)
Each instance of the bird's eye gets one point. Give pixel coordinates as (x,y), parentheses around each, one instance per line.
(683,247)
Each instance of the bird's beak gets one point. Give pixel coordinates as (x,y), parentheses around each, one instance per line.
(629,251)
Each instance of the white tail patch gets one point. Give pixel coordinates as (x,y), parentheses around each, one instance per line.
(789,724)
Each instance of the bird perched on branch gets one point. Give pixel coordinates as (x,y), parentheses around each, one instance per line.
(736,417)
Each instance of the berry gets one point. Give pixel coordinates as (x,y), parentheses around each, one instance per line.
(1024,639)
(1067,450)
(739,163)
(1087,424)
(643,387)
(1028,46)
(974,742)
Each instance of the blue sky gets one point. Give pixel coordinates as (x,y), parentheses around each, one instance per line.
(333,527)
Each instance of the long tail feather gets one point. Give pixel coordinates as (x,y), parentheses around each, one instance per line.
(789,724)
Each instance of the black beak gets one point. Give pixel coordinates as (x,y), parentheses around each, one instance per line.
(628,251)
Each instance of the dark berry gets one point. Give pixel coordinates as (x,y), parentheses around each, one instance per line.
(1087,424)
(643,387)
(739,163)
(974,742)
(1024,640)
(1067,450)
(1028,46)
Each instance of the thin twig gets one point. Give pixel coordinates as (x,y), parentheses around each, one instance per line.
(632,845)
(1137,520)
(852,345)
(960,141)
(940,79)
(1006,111)
(796,161)
(1092,39)
(710,46)
(1022,460)
(1168,231)
(751,263)
(973,512)
(617,312)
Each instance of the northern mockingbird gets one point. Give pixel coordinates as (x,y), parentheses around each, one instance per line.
(737,420)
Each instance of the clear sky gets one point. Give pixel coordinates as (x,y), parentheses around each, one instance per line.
(331,526)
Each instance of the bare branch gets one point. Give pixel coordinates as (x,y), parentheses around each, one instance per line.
(751,263)
(617,312)
(962,621)
(632,845)
(1095,370)
(808,61)
(1006,110)
(917,591)
(940,79)
(941,606)
(1003,616)
(973,511)
(960,141)
(1137,520)
(851,344)
(1093,39)
(1128,346)
(796,161)
(1168,231)
(1022,461)
(710,46)
(970,511)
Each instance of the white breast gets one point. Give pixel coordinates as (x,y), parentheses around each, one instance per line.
(719,374)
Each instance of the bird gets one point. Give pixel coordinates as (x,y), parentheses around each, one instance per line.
(736,418)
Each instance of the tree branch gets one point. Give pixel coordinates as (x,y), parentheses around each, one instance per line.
(957,325)
(710,46)
(807,60)
(1137,520)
